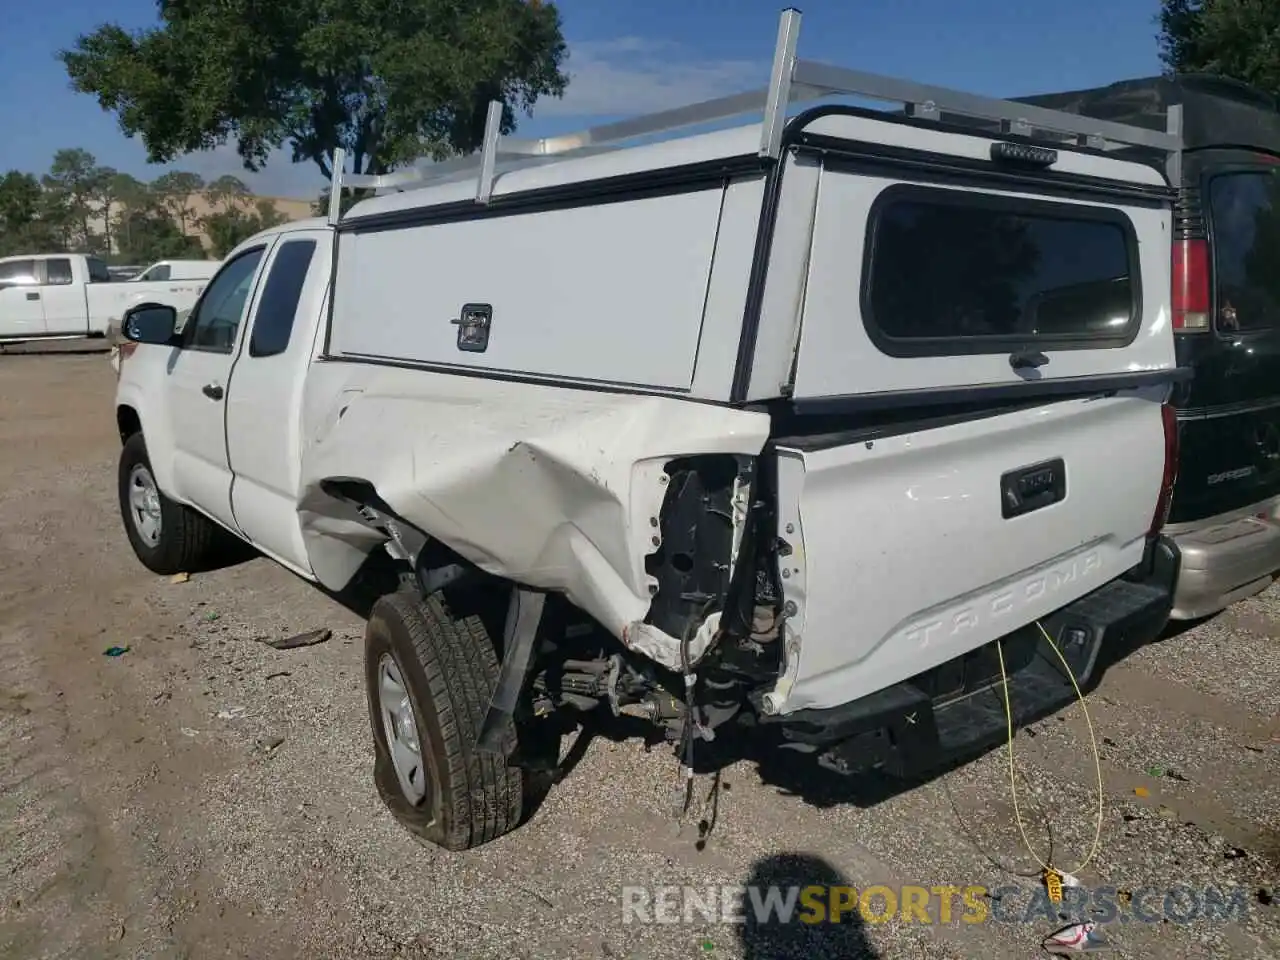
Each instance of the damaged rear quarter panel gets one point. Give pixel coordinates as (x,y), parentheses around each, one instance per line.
(551,487)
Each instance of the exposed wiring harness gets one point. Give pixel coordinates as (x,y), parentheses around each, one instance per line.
(690,725)
(1053,877)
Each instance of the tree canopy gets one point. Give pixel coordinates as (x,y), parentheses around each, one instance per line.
(1239,39)
(389,80)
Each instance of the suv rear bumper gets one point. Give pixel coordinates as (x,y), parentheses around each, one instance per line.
(926,721)
(1225,558)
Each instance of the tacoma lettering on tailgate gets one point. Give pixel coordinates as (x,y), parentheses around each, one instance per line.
(1005,603)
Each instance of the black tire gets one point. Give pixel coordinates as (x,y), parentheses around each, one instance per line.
(450,667)
(187,539)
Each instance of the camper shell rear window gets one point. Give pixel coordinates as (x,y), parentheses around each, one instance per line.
(951,272)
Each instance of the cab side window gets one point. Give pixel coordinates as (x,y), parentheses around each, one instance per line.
(58,273)
(273,321)
(18,273)
(98,271)
(216,319)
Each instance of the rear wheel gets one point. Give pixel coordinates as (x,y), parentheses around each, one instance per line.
(167,537)
(429,674)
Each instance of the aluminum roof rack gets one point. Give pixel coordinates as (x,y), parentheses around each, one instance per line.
(791,80)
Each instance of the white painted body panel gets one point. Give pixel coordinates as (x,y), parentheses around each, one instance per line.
(236,460)
(559,172)
(834,342)
(901,560)
(813,289)
(629,310)
(264,453)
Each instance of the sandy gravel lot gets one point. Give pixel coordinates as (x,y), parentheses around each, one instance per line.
(204,795)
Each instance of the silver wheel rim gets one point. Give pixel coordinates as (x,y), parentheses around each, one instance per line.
(400,727)
(144,505)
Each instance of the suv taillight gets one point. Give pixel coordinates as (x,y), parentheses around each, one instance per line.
(1170,419)
(1191,307)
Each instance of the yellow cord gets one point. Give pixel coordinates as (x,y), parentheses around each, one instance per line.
(1013,784)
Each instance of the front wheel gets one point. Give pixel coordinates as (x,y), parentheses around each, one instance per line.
(167,537)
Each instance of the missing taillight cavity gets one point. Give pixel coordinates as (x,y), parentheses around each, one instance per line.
(1170,418)
(1191,300)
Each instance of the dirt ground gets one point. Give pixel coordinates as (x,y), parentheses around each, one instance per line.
(204,795)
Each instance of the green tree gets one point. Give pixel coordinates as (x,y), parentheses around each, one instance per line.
(389,80)
(130,195)
(22,228)
(104,201)
(148,235)
(1234,38)
(228,228)
(72,184)
(228,193)
(174,191)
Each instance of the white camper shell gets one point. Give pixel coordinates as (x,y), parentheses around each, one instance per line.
(792,420)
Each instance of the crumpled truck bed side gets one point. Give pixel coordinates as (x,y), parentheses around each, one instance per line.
(554,488)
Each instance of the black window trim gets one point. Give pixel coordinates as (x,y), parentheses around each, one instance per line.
(1214,173)
(189,327)
(275,258)
(904,348)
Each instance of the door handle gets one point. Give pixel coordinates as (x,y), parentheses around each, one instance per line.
(1023,359)
(212,391)
(33,296)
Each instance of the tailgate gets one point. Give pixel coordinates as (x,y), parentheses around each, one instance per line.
(914,545)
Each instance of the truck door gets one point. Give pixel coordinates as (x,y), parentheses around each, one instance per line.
(195,390)
(66,310)
(21,309)
(264,397)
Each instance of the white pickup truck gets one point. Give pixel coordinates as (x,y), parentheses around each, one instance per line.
(839,428)
(177,270)
(72,295)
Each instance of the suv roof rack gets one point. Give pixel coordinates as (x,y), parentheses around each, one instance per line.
(791,80)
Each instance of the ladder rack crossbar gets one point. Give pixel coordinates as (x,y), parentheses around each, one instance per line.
(791,80)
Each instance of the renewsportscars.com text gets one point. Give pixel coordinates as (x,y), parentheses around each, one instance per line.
(942,904)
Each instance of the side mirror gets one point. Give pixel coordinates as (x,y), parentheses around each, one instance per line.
(149,323)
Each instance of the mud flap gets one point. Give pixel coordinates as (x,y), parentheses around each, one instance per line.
(524,614)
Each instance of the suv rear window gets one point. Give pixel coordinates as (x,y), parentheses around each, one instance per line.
(1245,208)
(959,272)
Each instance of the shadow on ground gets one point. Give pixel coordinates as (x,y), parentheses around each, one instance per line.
(809,934)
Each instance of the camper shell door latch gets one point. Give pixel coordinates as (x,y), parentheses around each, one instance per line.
(473,322)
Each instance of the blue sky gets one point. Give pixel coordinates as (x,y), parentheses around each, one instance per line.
(629,58)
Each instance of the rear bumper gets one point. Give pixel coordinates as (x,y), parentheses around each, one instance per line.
(931,719)
(1225,558)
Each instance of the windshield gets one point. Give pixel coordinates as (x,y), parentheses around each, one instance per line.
(1246,238)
